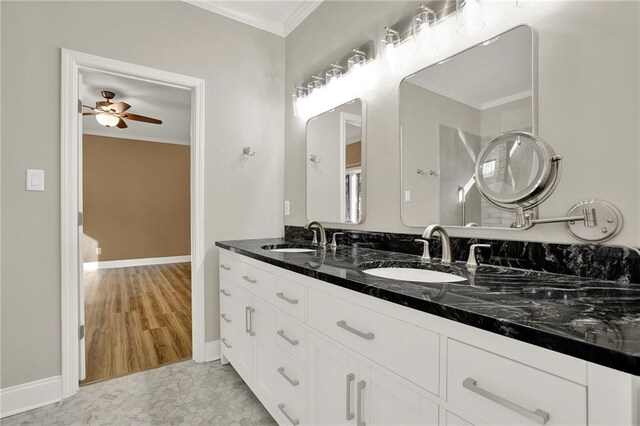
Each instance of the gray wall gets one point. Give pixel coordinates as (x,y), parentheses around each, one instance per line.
(588,103)
(244,72)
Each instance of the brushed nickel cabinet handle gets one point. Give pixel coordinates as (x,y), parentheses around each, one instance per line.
(291,341)
(360,388)
(286,299)
(366,336)
(224,341)
(225,292)
(350,378)
(248,279)
(294,382)
(294,422)
(225,317)
(538,416)
(225,267)
(251,312)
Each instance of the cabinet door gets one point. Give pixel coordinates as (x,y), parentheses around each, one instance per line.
(244,342)
(263,328)
(387,400)
(332,384)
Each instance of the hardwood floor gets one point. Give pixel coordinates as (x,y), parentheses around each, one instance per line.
(136,318)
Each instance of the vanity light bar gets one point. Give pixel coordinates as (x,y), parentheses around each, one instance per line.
(403,29)
(358,56)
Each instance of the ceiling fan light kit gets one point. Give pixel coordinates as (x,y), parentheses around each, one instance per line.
(112,114)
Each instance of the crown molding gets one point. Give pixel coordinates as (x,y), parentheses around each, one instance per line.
(305,9)
(278,28)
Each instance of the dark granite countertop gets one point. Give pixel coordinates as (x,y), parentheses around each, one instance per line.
(594,320)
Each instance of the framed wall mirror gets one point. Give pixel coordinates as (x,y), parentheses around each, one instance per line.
(336,143)
(448,113)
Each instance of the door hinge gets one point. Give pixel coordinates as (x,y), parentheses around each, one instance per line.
(79,106)
(80,218)
(81,332)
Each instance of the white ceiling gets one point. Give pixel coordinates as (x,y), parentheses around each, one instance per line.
(275,16)
(169,104)
(484,76)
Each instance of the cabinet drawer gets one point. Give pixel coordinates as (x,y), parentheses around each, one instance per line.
(290,297)
(291,388)
(405,349)
(292,337)
(227,293)
(256,281)
(502,391)
(228,266)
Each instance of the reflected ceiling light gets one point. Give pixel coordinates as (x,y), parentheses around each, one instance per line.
(315,84)
(444,61)
(107,120)
(526,3)
(356,60)
(334,73)
(490,41)
(469,15)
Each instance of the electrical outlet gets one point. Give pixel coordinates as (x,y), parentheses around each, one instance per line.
(407,196)
(287,208)
(98,251)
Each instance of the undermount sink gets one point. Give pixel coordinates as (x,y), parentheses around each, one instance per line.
(285,248)
(414,274)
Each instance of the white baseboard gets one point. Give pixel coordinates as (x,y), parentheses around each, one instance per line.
(212,351)
(126,263)
(27,396)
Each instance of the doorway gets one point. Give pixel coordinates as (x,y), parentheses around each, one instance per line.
(73,332)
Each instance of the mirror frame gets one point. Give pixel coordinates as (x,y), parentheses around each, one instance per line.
(534,117)
(363,161)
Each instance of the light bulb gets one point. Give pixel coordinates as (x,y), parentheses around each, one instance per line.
(469,15)
(423,33)
(356,60)
(107,120)
(333,73)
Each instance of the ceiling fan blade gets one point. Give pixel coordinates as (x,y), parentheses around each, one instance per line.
(142,118)
(119,107)
(90,113)
(121,124)
(87,106)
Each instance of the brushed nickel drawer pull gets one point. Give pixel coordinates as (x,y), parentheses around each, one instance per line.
(225,317)
(293,342)
(251,280)
(225,292)
(294,382)
(360,388)
(225,267)
(538,416)
(294,422)
(225,343)
(366,336)
(350,378)
(286,299)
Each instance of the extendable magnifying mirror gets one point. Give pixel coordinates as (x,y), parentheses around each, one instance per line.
(518,171)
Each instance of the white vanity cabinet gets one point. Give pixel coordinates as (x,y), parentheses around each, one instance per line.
(318,354)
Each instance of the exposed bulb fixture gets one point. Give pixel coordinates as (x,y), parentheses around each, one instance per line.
(301,92)
(107,120)
(315,84)
(356,60)
(391,37)
(334,73)
(469,16)
(421,28)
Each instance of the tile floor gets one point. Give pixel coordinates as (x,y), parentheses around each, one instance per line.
(179,394)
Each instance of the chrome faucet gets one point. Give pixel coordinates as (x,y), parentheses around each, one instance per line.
(444,239)
(323,234)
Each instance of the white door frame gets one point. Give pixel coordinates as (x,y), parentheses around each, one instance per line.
(72,63)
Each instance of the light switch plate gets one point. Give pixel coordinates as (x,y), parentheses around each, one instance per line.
(35,180)
(287,208)
(407,196)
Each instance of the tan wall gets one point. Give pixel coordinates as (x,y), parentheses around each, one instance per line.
(136,199)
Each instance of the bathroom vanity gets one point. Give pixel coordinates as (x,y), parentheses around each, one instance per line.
(321,342)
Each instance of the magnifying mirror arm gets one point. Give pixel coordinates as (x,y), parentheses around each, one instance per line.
(588,217)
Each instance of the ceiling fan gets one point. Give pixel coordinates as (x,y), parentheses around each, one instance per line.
(111,114)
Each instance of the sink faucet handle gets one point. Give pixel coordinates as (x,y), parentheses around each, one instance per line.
(425,248)
(472,261)
(334,242)
(315,237)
